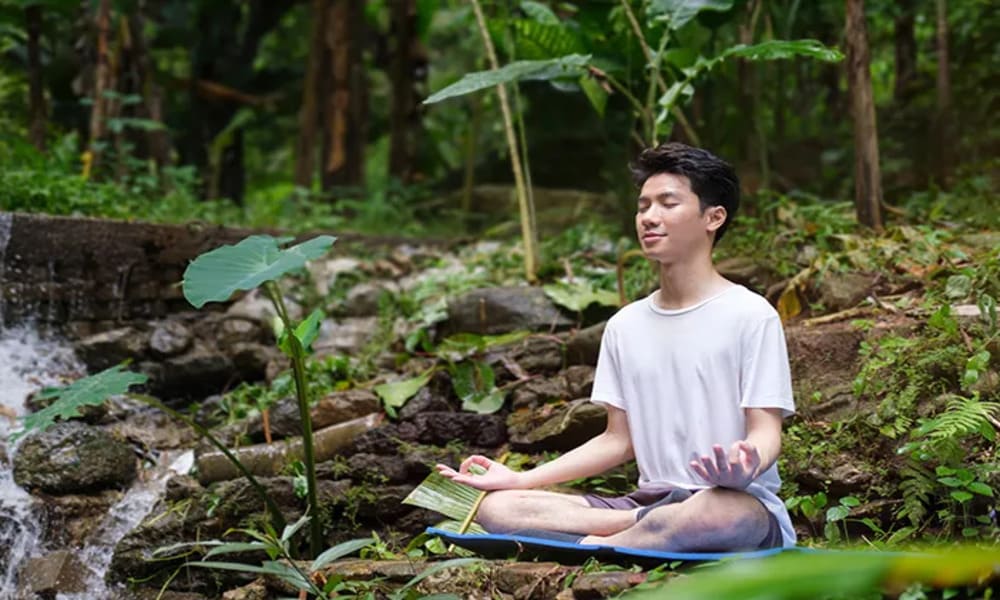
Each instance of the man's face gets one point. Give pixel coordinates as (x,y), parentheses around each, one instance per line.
(669,221)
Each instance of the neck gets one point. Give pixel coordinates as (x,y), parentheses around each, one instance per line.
(684,284)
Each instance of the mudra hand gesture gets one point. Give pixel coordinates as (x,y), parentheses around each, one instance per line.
(735,471)
(482,473)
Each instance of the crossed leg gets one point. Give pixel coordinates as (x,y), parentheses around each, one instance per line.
(714,519)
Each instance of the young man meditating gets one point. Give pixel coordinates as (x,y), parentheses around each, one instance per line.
(696,381)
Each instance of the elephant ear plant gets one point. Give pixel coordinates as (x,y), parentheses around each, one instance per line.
(259,261)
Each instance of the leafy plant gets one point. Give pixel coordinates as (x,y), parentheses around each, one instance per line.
(258,260)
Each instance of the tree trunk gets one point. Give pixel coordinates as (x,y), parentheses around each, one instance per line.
(102,82)
(305,149)
(906,51)
(867,172)
(36,92)
(407,60)
(343,96)
(942,124)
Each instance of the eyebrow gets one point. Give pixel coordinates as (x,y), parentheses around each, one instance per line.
(660,196)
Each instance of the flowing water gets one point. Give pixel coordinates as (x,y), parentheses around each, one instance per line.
(30,361)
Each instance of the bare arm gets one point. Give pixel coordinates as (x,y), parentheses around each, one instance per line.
(747,458)
(609,449)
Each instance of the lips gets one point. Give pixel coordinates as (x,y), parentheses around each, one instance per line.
(652,237)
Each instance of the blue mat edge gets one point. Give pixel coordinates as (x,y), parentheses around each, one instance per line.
(689,556)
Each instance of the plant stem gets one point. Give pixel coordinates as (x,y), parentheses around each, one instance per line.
(302,396)
(527,231)
(276,516)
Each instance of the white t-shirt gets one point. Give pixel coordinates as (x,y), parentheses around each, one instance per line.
(684,376)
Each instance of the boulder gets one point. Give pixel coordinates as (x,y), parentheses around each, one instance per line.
(346,336)
(840,291)
(59,572)
(568,426)
(106,349)
(440,428)
(169,338)
(362,300)
(73,457)
(200,372)
(584,345)
(502,310)
(234,330)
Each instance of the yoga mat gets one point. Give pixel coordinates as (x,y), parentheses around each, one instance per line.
(497,545)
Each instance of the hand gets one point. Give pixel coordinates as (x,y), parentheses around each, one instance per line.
(497,475)
(736,471)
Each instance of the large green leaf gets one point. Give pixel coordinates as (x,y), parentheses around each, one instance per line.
(475,384)
(440,494)
(571,66)
(394,395)
(216,275)
(677,13)
(844,574)
(579,296)
(339,551)
(88,391)
(784,49)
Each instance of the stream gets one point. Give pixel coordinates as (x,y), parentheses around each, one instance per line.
(29,361)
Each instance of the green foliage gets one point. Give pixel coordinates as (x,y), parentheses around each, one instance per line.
(216,275)
(475,386)
(438,493)
(845,574)
(523,70)
(69,400)
(395,394)
(256,260)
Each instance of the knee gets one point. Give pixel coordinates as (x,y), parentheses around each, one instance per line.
(495,508)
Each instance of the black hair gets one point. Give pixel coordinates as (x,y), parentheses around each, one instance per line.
(712,179)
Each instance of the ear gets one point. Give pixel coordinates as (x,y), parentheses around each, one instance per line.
(715,216)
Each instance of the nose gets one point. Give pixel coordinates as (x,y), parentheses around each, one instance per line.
(649,218)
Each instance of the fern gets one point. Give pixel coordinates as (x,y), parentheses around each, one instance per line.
(962,418)
(917,489)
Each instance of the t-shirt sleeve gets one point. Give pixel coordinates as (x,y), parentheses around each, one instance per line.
(607,378)
(766,380)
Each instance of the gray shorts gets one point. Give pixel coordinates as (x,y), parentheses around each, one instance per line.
(663,496)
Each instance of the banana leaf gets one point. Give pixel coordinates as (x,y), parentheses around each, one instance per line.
(440,494)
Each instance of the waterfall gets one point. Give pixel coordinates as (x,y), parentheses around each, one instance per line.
(28,362)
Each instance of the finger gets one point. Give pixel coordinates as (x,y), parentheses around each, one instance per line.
(751,456)
(708,463)
(721,460)
(734,453)
(475,459)
(700,470)
(445,470)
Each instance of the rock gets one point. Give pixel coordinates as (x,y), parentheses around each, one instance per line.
(324,273)
(251,359)
(59,572)
(169,339)
(846,478)
(536,392)
(440,428)
(346,336)
(362,300)
(746,271)
(502,310)
(196,373)
(579,381)
(336,407)
(255,306)
(840,291)
(255,590)
(535,355)
(570,426)
(72,519)
(73,457)
(109,348)
(605,584)
(584,345)
(425,401)
(526,580)
(234,330)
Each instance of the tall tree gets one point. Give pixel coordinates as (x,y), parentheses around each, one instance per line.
(942,124)
(309,112)
(344,96)
(408,60)
(103,74)
(867,171)
(906,50)
(36,93)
